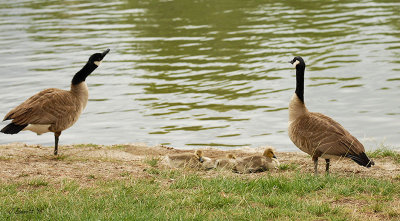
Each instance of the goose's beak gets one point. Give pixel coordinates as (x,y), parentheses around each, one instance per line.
(201,159)
(274,156)
(291,62)
(105,52)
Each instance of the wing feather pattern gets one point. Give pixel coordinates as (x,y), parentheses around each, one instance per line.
(318,134)
(53,106)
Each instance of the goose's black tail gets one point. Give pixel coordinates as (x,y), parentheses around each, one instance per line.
(13,128)
(361,159)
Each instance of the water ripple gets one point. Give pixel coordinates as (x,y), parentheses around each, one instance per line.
(205,73)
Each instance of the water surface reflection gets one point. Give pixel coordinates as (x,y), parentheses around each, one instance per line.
(206,73)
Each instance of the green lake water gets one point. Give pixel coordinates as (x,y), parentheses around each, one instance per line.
(206,73)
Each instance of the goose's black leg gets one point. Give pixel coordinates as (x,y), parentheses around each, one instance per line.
(328,161)
(56,136)
(315,159)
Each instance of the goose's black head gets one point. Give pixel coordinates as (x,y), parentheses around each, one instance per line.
(93,62)
(298,63)
(98,57)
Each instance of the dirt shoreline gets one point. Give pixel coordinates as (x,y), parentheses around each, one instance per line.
(82,162)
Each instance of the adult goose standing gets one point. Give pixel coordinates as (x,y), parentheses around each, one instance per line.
(54,110)
(317,134)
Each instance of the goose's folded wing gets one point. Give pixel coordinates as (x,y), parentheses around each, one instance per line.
(45,107)
(322,133)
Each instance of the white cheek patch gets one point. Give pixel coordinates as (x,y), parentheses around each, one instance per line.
(296,63)
(97,63)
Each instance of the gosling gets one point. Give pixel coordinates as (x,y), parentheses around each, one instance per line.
(195,160)
(228,163)
(257,163)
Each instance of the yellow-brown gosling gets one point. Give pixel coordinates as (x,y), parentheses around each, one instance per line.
(317,134)
(227,163)
(208,163)
(54,110)
(191,160)
(257,163)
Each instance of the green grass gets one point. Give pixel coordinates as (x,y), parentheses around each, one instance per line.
(117,146)
(37,182)
(385,151)
(171,195)
(152,161)
(5,158)
(91,176)
(60,157)
(125,174)
(288,166)
(86,145)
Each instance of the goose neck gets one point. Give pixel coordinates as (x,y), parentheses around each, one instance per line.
(80,88)
(297,108)
(81,93)
(300,83)
(82,74)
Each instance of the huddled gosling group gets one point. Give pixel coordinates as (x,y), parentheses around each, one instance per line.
(251,164)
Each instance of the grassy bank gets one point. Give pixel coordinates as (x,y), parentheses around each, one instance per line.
(127,182)
(177,195)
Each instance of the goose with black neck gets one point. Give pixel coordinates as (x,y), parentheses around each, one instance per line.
(319,135)
(54,110)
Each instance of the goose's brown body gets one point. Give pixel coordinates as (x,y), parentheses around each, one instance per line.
(59,109)
(319,135)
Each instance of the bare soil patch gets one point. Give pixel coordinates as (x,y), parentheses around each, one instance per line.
(86,163)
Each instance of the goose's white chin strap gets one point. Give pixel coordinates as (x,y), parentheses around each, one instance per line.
(296,63)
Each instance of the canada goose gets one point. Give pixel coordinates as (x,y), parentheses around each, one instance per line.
(186,160)
(227,163)
(54,110)
(317,134)
(257,163)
